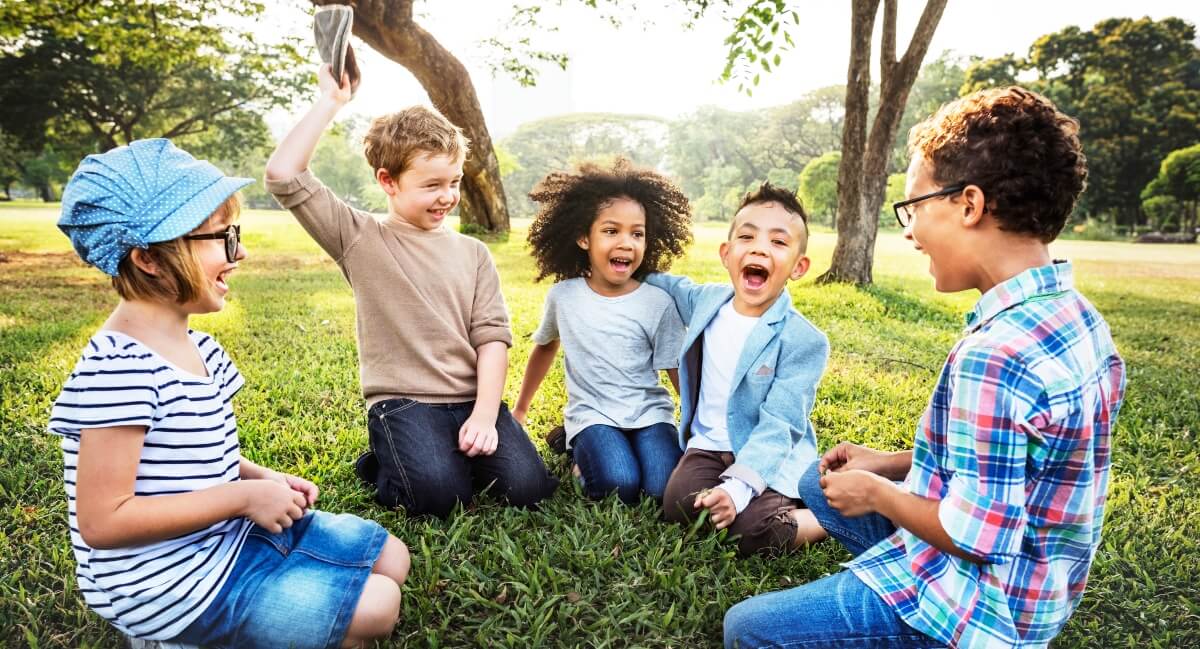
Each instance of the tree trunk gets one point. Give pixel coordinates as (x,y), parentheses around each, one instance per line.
(862,174)
(45,191)
(388,27)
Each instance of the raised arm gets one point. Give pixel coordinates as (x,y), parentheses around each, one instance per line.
(295,150)
(540,360)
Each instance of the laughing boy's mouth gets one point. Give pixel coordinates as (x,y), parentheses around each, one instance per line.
(754,276)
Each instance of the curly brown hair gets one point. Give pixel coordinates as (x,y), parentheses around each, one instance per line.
(1014,144)
(570,201)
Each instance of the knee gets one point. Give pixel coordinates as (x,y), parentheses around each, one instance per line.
(530,489)
(378,610)
(437,495)
(626,484)
(394,561)
(740,621)
(809,486)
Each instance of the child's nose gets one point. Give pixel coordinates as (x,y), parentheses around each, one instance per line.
(241,252)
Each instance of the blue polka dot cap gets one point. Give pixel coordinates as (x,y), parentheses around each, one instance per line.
(136,195)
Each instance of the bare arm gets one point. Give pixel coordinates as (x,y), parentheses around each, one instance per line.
(540,360)
(110,515)
(294,152)
(917,515)
(673,374)
(478,434)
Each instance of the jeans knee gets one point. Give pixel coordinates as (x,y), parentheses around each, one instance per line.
(529,490)
(738,620)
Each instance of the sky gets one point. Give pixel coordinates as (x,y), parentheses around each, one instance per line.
(652,65)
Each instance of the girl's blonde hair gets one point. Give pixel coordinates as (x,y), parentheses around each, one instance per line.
(180,278)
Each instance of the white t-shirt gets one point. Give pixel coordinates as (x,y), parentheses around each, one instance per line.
(724,338)
(155,590)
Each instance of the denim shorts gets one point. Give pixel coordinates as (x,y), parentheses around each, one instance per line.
(295,589)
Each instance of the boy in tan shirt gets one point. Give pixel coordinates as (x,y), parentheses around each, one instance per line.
(433,333)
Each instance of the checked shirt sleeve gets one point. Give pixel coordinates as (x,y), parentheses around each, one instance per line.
(983,508)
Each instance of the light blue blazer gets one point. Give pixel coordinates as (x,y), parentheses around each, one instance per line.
(774,384)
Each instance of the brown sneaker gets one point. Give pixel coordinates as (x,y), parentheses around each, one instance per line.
(556,439)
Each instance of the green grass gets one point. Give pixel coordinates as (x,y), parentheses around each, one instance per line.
(579,573)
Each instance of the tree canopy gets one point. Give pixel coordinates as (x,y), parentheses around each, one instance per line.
(80,77)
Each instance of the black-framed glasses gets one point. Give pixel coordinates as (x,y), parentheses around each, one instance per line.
(903,209)
(232,236)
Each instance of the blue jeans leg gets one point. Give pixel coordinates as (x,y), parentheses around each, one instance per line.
(607,463)
(855,534)
(836,611)
(657,449)
(420,466)
(515,472)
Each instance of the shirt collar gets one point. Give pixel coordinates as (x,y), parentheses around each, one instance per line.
(1043,281)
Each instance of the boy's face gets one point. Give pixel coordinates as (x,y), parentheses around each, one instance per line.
(425,192)
(615,245)
(763,252)
(938,229)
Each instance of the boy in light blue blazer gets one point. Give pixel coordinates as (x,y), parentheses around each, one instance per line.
(748,378)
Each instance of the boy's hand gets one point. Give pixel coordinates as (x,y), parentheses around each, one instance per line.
(298,484)
(849,457)
(719,505)
(478,436)
(339,93)
(853,492)
(273,505)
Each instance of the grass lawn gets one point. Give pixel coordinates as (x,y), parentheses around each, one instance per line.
(594,574)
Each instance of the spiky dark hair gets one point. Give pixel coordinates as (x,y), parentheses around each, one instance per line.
(570,200)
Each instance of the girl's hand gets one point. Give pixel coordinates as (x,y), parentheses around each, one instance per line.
(853,492)
(520,414)
(339,93)
(272,504)
(296,483)
(719,505)
(478,436)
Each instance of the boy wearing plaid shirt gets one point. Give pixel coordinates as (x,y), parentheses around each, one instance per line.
(988,540)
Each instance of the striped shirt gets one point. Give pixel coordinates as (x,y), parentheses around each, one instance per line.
(155,590)
(1015,444)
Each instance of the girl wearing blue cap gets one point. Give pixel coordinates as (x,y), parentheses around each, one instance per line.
(178,537)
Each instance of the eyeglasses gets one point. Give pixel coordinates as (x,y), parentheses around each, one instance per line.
(232,236)
(903,209)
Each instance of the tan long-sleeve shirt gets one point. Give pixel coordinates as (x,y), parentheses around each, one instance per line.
(424,299)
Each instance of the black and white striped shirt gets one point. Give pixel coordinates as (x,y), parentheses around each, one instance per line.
(155,590)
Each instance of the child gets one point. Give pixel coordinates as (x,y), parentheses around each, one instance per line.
(432,328)
(176,535)
(989,540)
(598,233)
(749,374)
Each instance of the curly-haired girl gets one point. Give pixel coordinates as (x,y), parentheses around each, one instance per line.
(599,231)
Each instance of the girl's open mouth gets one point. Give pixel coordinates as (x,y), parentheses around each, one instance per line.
(621,264)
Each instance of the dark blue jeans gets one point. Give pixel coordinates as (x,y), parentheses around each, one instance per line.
(422,470)
(836,611)
(628,461)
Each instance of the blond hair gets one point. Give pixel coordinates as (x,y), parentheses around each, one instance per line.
(180,278)
(395,140)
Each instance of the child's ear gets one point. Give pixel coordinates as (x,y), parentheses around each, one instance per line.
(386,182)
(723,251)
(974,206)
(800,268)
(144,261)
(582,242)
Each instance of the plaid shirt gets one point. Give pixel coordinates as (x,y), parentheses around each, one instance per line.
(1015,446)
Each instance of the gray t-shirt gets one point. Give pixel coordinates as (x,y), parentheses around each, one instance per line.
(614,348)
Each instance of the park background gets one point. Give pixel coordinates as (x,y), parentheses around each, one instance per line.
(77,78)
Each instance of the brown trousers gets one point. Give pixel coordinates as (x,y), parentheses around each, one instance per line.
(764,526)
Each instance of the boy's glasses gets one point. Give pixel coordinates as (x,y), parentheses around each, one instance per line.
(232,236)
(904,209)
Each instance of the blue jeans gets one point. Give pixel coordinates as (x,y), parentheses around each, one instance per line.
(836,611)
(628,461)
(422,470)
(296,589)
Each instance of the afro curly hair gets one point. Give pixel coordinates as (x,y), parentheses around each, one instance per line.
(570,201)
(1014,144)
